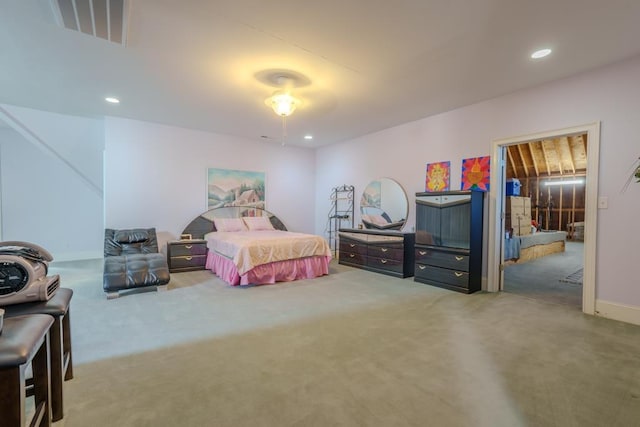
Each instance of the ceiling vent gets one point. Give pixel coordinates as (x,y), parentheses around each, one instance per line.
(106,19)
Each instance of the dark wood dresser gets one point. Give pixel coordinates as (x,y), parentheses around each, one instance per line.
(186,255)
(386,252)
(448,251)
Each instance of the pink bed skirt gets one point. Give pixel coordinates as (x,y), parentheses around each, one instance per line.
(279,271)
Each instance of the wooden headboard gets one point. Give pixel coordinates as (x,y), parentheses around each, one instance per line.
(203,223)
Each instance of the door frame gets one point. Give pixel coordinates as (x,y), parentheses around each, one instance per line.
(495,276)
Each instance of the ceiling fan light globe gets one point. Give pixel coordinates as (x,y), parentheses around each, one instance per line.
(283,104)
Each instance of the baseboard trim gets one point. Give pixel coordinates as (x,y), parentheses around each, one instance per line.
(615,311)
(77,256)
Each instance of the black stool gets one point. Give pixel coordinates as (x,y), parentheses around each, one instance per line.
(61,365)
(25,340)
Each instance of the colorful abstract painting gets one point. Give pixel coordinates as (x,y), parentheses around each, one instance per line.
(438,176)
(476,173)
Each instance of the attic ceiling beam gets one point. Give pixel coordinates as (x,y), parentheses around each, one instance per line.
(513,164)
(524,164)
(558,150)
(533,159)
(570,139)
(544,156)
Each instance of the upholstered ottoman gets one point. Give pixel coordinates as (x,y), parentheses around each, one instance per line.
(61,363)
(134,271)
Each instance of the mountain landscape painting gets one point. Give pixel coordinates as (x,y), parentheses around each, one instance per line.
(227,187)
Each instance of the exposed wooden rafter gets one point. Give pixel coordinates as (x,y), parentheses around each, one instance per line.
(560,156)
(525,167)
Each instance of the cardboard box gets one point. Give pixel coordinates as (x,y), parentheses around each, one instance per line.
(518,215)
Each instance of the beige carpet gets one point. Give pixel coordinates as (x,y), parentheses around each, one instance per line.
(350,349)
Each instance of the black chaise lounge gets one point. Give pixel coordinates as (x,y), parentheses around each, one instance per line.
(131,260)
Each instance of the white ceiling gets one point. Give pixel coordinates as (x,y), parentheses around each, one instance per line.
(370,64)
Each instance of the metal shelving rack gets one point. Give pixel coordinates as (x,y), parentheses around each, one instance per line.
(341,214)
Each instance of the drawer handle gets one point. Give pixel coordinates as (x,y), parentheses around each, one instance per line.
(384,261)
(188,246)
(352,255)
(189,258)
(459,258)
(352,245)
(384,249)
(421,267)
(458,274)
(422,252)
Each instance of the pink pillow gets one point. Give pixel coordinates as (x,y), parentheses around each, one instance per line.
(258,223)
(375,219)
(229,224)
(379,220)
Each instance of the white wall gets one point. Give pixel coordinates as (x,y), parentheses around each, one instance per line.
(51,177)
(155,175)
(610,95)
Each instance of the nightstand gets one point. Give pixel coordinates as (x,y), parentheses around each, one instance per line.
(186,255)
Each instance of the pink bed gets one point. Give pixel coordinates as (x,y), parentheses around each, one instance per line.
(247,245)
(278,271)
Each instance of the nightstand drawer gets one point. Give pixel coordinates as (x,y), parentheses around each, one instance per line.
(187,248)
(192,262)
(186,255)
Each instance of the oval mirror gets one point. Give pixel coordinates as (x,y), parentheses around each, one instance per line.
(384,205)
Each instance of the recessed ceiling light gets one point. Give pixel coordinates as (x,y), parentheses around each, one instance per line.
(540,53)
(112,100)
(308,137)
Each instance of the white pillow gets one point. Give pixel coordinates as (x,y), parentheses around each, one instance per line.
(258,223)
(229,224)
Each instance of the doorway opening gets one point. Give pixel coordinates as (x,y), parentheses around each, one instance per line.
(544,219)
(553,238)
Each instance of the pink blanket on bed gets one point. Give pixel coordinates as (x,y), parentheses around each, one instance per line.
(278,271)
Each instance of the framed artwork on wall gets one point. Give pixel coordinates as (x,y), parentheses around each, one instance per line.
(438,176)
(476,173)
(228,187)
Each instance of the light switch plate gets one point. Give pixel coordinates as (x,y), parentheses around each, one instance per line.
(603,202)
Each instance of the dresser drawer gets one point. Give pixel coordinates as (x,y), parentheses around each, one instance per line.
(437,258)
(386,264)
(349,246)
(386,252)
(352,258)
(430,273)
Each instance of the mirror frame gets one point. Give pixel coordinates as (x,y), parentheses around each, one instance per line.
(392,224)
